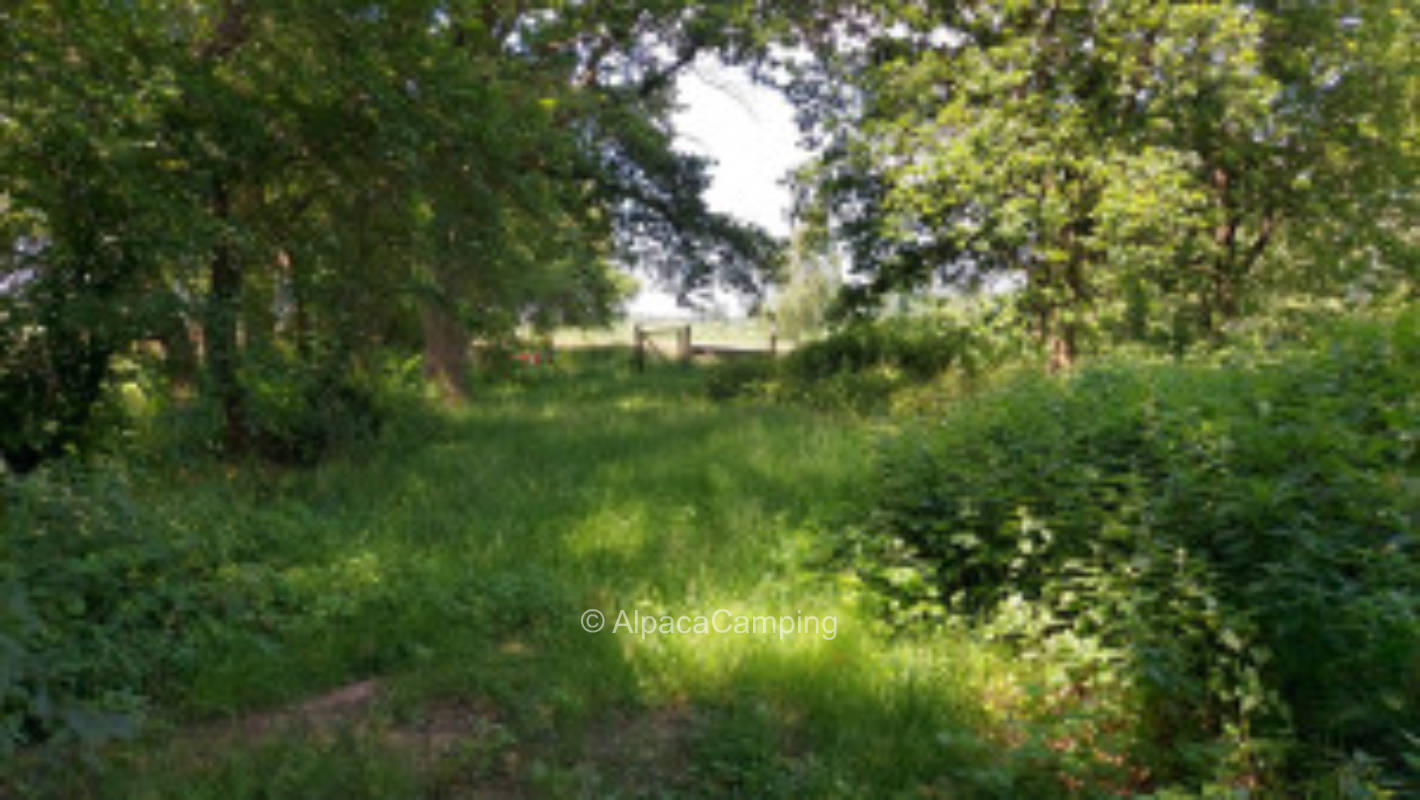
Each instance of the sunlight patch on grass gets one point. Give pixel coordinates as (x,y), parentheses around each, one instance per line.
(638,402)
(885,713)
(620,530)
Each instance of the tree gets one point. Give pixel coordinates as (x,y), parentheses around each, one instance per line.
(1131,165)
(89,204)
(315,180)
(814,277)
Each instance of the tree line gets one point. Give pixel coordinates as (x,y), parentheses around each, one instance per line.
(305,183)
(1139,171)
(317,179)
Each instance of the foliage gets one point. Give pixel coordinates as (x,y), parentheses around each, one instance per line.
(301,412)
(237,222)
(868,366)
(801,309)
(1237,542)
(109,602)
(448,558)
(233,179)
(82,649)
(1128,168)
(920,347)
(450,561)
(738,377)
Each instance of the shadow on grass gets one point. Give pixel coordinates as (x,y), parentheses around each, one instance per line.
(457,566)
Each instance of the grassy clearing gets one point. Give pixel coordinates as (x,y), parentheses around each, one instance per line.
(1109,565)
(451,563)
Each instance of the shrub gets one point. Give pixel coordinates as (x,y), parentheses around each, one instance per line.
(920,347)
(1240,539)
(863,366)
(108,602)
(740,377)
(300,412)
(89,602)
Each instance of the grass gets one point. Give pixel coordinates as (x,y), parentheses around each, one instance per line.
(406,620)
(451,565)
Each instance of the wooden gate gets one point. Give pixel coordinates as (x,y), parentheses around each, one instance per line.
(644,341)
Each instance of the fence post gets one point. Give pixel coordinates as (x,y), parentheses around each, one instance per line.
(638,357)
(683,342)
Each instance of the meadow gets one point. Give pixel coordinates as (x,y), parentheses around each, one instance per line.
(1087,463)
(451,561)
(1039,587)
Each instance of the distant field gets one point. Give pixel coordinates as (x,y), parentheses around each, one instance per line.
(746,333)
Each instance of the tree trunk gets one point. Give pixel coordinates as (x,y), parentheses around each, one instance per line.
(181,345)
(1062,348)
(223,305)
(445,352)
(1060,290)
(1056,336)
(298,312)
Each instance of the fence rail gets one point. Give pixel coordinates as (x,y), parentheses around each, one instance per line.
(686,349)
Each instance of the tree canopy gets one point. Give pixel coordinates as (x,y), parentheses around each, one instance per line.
(267,182)
(319,178)
(1143,169)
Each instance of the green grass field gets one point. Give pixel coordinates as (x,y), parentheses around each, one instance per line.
(1082,585)
(436,582)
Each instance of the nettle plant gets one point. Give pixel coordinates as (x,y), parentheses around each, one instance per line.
(1235,543)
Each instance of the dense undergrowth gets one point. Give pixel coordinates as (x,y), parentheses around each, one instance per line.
(867,366)
(1219,558)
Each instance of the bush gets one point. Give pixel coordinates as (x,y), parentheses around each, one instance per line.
(108,603)
(866,364)
(301,412)
(920,347)
(1240,540)
(740,377)
(91,597)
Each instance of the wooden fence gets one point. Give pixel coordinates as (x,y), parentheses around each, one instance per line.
(686,349)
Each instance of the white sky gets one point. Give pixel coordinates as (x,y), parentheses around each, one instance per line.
(749,131)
